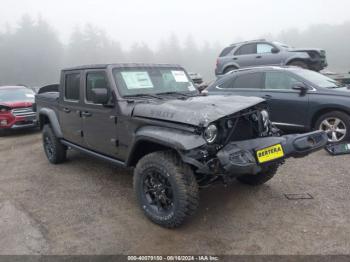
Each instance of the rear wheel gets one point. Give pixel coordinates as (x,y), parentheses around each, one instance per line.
(166,188)
(336,124)
(260,178)
(54,149)
(299,63)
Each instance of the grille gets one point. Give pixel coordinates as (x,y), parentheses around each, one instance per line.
(24,111)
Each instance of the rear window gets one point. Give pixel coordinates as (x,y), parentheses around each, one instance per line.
(226,51)
(72,86)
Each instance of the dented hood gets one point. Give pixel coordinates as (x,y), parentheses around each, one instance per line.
(199,110)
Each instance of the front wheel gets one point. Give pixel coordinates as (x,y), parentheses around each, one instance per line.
(260,178)
(336,124)
(299,64)
(166,188)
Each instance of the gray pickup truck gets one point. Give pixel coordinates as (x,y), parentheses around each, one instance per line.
(152,119)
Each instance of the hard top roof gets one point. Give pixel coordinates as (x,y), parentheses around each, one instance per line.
(120,65)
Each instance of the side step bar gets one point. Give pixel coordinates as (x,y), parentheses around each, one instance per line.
(94,154)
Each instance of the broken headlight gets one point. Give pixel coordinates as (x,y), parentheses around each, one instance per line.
(265,119)
(210,133)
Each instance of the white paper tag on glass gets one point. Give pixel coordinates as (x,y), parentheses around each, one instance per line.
(135,80)
(180,76)
(30,95)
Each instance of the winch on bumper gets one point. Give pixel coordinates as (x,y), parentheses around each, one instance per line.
(249,156)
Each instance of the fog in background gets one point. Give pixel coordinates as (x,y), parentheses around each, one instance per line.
(38,37)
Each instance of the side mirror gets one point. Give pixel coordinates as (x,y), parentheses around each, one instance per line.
(275,50)
(100,96)
(300,86)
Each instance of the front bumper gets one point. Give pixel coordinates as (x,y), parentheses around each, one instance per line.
(240,157)
(18,122)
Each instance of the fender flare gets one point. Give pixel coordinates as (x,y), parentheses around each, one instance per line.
(176,139)
(231,64)
(51,115)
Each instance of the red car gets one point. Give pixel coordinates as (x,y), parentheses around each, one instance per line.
(16,108)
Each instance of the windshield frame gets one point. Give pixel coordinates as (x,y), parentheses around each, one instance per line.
(148,95)
(24,90)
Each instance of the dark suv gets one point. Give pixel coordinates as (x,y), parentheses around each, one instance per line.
(262,52)
(299,99)
(151,117)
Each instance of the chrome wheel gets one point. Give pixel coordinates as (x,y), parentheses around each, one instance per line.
(335,129)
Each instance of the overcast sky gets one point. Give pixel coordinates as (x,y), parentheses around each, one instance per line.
(150,21)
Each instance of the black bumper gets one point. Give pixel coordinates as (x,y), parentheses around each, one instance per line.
(240,157)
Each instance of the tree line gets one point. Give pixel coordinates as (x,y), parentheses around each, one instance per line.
(32,54)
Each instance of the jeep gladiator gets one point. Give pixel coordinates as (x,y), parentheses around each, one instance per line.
(151,118)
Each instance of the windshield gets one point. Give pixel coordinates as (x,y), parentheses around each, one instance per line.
(152,81)
(16,95)
(318,79)
(282,44)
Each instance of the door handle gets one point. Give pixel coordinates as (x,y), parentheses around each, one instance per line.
(235,58)
(86,114)
(259,56)
(67,110)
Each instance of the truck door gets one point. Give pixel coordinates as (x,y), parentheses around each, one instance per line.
(99,122)
(69,107)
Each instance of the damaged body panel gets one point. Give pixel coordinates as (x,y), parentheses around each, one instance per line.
(152,119)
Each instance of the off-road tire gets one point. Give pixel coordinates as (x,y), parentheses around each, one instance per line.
(299,63)
(230,68)
(55,151)
(262,177)
(336,114)
(182,182)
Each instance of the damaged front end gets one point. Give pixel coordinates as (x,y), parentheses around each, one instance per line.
(245,143)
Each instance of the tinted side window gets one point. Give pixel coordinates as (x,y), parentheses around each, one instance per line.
(226,51)
(251,80)
(279,80)
(263,48)
(72,86)
(246,49)
(94,80)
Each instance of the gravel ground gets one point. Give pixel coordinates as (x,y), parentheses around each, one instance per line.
(87,206)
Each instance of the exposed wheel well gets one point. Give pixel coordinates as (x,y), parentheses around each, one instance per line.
(230,66)
(43,120)
(143,148)
(321,112)
(297,60)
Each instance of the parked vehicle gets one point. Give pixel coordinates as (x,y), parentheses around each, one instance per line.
(342,78)
(299,99)
(196,78)
(261,52)
(16,108)
(152,118)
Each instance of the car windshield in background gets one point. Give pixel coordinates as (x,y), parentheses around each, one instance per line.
(16,94)
(318,79)
(152,81)
(282,45)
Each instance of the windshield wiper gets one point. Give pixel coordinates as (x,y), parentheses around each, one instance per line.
(145,96)
(177,93)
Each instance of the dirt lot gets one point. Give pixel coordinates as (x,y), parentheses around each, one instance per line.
(86,206)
